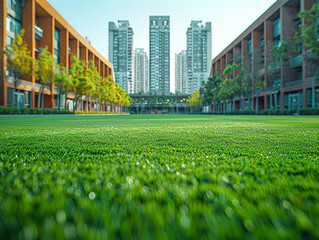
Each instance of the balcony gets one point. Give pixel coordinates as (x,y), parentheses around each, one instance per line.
(38,32)
(295,61)
(293,84)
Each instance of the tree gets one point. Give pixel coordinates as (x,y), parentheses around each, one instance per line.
(257,75)
(310,37)
(210,90)
(108,90)
(62,81)
(44,72)
(195,100)
(280,53)
(19,60)
(80,79)
(96,81)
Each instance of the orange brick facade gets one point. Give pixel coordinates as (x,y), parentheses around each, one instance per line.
(295,80)
(40,15)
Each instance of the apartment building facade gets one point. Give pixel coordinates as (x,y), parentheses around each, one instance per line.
(44,27)
(121,54)
(159,63)
(181,72)
(290,84)
(141,71)
(199,54)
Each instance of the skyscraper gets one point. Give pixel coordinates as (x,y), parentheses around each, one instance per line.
(199,54)
(141,71)
(121,54)
(181,72)
(160,54)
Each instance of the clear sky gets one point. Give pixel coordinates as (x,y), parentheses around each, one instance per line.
(229,18)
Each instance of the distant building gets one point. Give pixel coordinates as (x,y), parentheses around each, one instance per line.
(141,71)
(199,54)
(121,54)
(159,54)
(181,72)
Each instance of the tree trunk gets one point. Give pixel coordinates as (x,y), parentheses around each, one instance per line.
(42,97)
(59,100)
(314,88)
(256,104)
(276,104)
(39,97)
(65,106)
(242,103)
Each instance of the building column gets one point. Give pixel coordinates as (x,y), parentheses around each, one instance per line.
(269,42)
(222,66)
(244,52)
(84,54)
(74,46)
(64,48)
(48,25)
(3,58)
(103,67)
(254,46)
(306,67)
(28,13)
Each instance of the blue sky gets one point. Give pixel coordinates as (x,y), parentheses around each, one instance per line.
(229,18)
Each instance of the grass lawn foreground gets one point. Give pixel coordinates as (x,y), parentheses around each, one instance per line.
(159,177)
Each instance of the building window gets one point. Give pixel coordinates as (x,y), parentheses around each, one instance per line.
(27,98)
(10,92)
(276,32)
(13,25)
(9,40)
(15,5)
(249,46)
(57,45)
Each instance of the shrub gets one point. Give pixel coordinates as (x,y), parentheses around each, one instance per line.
(309,111)
(8,110)
(25,110)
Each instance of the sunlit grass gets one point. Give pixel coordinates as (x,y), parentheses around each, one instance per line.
(161,177)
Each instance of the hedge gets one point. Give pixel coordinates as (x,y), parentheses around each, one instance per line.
(98,112)
(302,111)
(25,110)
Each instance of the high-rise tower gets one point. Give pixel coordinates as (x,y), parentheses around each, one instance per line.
(181,72)
(141,71)
(199,54)
(121,54)
(159,54)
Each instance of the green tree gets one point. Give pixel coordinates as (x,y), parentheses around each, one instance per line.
(19,60)
(44,72)
(310,37)
(108,91)
(210,90)
(62,81)
(280,53)
(195,100)
(80,78)
(96,80)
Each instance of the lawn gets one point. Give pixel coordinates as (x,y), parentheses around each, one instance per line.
(159,177)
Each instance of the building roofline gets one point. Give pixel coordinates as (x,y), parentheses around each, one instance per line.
(270,11)
(54,13)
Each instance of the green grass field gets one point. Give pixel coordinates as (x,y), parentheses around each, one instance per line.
(159,177)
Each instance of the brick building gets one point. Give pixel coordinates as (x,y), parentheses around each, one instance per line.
(288,86)
(44,26)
